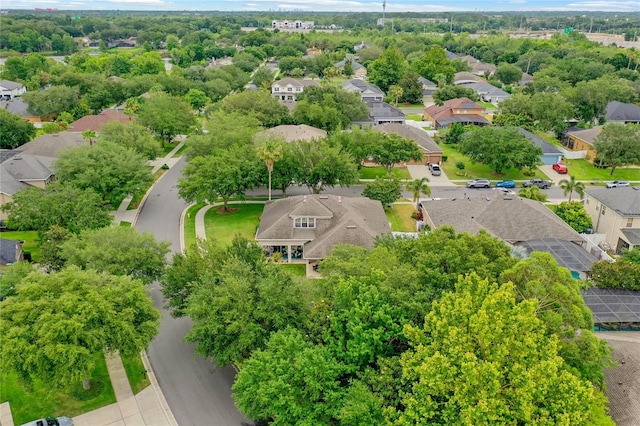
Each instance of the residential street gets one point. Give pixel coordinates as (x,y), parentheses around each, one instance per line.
(197,392)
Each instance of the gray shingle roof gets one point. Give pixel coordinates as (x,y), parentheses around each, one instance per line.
(359,86)
(15,171)
(347,220)
(618,111)
(625,201)
(547,148)
(512,219)
(418,135)
(378,109)
(10,85)
(484,88)
(17,106)
(8,251)
(463,76)
(587,135)
(50,145)
(632,234)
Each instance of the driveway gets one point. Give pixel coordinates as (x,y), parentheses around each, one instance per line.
(554,176)
(197,392)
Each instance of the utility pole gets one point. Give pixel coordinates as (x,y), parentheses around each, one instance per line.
(384,10)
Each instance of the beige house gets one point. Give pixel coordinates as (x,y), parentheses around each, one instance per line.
(615,212)
(580,142)
(432,153)
(289,88)
(290,132)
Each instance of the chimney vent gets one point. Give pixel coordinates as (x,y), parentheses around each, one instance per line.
(351,227)
(339,199)
(304,199)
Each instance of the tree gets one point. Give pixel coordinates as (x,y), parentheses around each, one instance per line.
(570,185)
(434,62)
(632,255)
(533,193)
(388,69)
(574,215)
(223,174)
(270,152)
(618,145)
(483,358)
(167,116)
(14,130)
(411,88)
(133,136)
(50,242)
(261,105)
(386,190)
(348,71)
(508,73)
(417,187)
(119,251)
(500,148)
(111,170)
(262,77)
(56,342)
(450,91)
(454,135)
(59,204)
(197,98)
(329,108)
(357,142)
(396,92)
(52,101)
(392,149)
(322,166)
(149,63)
(11,277)
(620,274)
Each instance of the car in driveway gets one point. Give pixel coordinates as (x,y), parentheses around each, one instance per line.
(435,169)
(505,184)
(479,183)
(617,184)
(560,168)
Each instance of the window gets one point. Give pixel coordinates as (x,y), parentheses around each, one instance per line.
(289,89)
(629,222)
(276,89)
(304,222)
(604,208)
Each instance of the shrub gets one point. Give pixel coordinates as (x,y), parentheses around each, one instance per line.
(444,158)
(460,165)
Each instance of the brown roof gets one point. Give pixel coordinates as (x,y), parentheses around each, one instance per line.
(446,110)
(350,220)
(510,218)
(418,135)
(95,122)
(292,133)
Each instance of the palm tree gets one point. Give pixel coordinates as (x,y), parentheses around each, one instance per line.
(533,193)
(270,152)
(418,186)
(570,185)
(89,135)
(396,92)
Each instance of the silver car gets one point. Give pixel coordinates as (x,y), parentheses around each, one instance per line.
(617,184)
(479,183)
(51,421)
(435,169)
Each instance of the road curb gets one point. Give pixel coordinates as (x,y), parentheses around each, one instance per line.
(157,390)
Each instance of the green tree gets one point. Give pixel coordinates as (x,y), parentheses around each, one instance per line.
(434,62)
(570,185)
(500,148)
(620,274)
(11,277)
(167,116)
(133,136)
(263,76)
(386,190)
(454,134)
(574,215)
(417,187)
(388,69)
(632,255)
(508,73)
(450,91)
(56,342)
(260,105)
(392,149)
(223,174)
(459,375)
(329,108)
(411,88)
(618,145)
(59,204)
(270,152)
(197,98)
(119,251)
(149,63)
(225,131)
(359,143)
(533,193)
(50,242)
(396,93)
(14,130)
(52,101)
(348,71)
(111,170)
(322,166)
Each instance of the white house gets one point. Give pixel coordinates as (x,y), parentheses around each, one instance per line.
(288,88)
(11,89)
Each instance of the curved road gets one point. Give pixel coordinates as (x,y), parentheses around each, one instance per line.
(198,392)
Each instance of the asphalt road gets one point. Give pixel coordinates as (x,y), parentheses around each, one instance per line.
(198,392)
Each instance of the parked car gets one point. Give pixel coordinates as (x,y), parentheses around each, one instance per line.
(435,169)
(505,184)
(51,421)
(617,184)
(560,168)
(506,191)
(540,183)
(479,183)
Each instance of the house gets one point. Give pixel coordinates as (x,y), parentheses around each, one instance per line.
(459,110)
(487,92)
(428,87)
(359,70)
(464,77)
(525,79)
(11,89)
(361,46)
(50,144)
(381,113)
(19,107)
(367,91)
(96,122)
(292,25)
(291,133)
(550,154)
(305,228)
(220,62)
(10,252)
(312,52)
(450,55)
(508,217)
(432,151)
(19,171)
(569,255)
(619,112)
(288,88)
(478,67)
(615,212)
(579,143)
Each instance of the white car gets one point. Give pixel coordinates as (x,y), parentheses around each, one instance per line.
(51,421)
(617,184)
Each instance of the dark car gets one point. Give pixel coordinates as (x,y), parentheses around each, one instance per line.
(479,183)
(505,184)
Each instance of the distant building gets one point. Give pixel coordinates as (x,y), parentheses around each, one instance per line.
(11,89)
(292,25)
(287,88)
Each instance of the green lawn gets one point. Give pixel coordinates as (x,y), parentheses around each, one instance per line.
(41,401)
(414,117)
(583,170)
(487,105)
(30,239)
(295,270)
(242,219)
(180,151)
(411,106)
(374,172)
(477,170)
(190,225)
(136,373)
(400,218)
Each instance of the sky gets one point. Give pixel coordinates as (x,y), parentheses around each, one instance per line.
(333,5)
